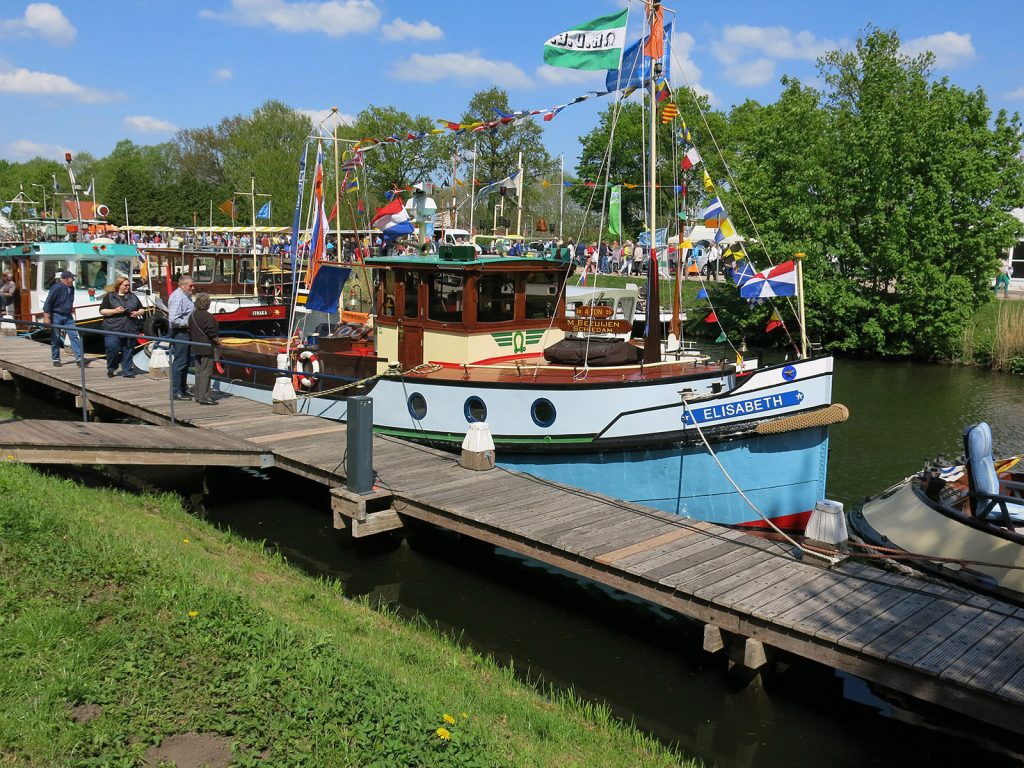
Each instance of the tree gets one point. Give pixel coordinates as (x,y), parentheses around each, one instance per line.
(497,153)
(394,165)
(898,188)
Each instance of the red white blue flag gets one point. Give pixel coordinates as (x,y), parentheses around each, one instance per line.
(777,281)
(318,239)
(393,219)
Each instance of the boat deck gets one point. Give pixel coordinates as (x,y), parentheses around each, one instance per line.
(933,642)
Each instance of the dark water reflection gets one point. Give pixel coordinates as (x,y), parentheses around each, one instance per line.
(648,665)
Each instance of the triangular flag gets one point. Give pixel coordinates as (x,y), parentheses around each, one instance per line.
(334,211)
(709,185)
(228,207)
(702,293)
(712,318)
(721,337)
(775,321)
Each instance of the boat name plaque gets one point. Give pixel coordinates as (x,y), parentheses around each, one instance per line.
(593,325)
(743,407)
(598,311)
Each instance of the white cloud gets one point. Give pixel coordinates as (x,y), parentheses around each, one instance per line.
(1017,94)
(751,73)
(43,19)
(400,29)
(328,118)
(26,150)
(223,75)
(466,67)
(563,75)
(950,48)
(772,42)
(335,18)
(25,82)
(148,124)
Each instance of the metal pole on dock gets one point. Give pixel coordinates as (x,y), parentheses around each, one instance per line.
(359,444)
(85,398)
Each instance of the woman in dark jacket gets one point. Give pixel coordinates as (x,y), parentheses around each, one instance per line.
(121,311)
(202,328)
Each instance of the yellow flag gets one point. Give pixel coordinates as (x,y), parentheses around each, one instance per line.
(709,185)
(228,207)
(728,230)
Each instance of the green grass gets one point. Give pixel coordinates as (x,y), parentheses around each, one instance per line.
(995,337)
(688,293)
(129,603)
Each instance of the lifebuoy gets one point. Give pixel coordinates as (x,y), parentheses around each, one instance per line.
(307,366)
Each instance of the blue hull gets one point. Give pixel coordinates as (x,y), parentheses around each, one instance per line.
(783,475)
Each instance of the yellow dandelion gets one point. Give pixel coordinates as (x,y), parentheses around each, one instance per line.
(444,734)
(449,719)
(465,716)
(193,614)
(184,541)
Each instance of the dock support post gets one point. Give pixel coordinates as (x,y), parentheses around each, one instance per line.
(359,437)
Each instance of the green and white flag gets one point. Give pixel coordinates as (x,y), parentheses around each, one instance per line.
(594,44)
(615,211)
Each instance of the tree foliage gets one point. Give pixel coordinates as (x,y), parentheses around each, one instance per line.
(897,187)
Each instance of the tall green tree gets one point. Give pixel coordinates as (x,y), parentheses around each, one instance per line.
(897,186)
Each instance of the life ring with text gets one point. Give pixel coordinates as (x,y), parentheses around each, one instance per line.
(307,366)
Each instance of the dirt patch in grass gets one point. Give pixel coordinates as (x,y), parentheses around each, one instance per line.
(191,750)
(84,713)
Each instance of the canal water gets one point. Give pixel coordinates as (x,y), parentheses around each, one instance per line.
(646,664)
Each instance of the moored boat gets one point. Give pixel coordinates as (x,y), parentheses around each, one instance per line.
(963,522)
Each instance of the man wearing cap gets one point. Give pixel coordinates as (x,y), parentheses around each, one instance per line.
(59,310)
(179,310)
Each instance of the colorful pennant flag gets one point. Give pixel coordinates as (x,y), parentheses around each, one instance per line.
(725,230)
(711,318)
(615,211)
(691,159)
(743,273)
(709,185)
(264,212)
(721,338)
(714,208)
(662,90)
(595,44)
(777,281)
(702,293)
(775,321)
(669,112)
(228,207)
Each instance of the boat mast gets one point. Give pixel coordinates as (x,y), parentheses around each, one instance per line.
(799,258)
(519,200)
(472,193)
(561,189)
(652,341)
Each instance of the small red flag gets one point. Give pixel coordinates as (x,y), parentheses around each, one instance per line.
(334,211)
(712,318)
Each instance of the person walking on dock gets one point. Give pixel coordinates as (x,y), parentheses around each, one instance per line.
(179,309)
(59,311)
(202,329)
(122,312)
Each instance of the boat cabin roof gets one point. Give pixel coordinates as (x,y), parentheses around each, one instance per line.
(67,249)
(453,257)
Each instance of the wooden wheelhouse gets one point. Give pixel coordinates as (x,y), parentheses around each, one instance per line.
(459,308)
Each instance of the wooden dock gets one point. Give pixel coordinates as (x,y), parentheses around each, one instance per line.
(936,643)
(39,441)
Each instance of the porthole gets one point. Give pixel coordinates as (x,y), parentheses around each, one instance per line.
(543,412)
(417,406)
(475,409)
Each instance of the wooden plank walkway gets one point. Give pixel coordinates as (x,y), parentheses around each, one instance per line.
(40,441)
(937,643)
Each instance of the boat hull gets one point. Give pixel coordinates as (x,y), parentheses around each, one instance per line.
(903,518)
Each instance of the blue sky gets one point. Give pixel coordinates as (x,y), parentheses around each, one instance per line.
(79,76)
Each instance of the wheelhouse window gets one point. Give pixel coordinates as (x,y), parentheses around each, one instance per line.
(541,295)
(92,273)
(51,268)
(225,270)
(246,274)
(412,294)
(388,309)
(496,297)
(203,269)
(122,268)
(445,294)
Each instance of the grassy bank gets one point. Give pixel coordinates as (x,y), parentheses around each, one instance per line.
(995,337)
(126,624)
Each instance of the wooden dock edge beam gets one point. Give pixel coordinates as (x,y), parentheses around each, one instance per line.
(369,513)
